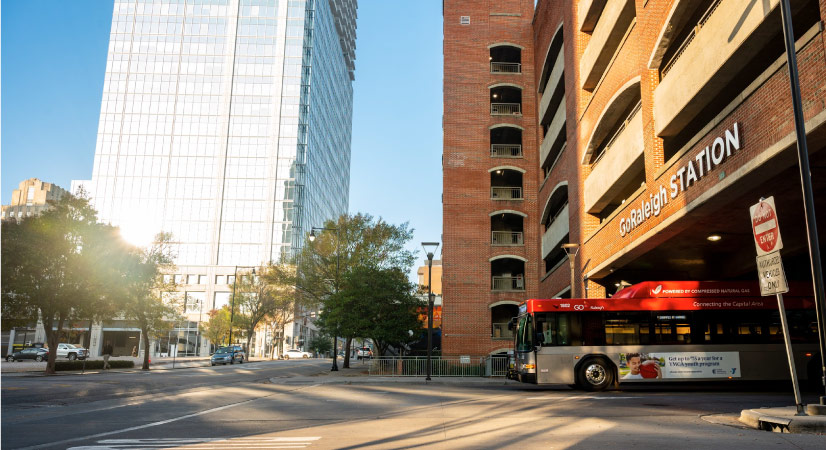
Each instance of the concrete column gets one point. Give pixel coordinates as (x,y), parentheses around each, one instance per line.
(11,342)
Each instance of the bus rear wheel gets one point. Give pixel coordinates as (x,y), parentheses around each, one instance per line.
(595,374)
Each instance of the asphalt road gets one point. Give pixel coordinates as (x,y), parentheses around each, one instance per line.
(297,404)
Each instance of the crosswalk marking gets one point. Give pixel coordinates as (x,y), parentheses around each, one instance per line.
(202,443)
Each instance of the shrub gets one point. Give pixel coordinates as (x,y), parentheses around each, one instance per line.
(92,364)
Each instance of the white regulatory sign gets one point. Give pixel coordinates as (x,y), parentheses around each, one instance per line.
(771,274)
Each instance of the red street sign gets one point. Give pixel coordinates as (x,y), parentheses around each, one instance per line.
(765,228)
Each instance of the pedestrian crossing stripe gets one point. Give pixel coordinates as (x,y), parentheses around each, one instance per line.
(202,443)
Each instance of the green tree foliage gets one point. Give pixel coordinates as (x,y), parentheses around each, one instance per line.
(58,266)
(373,302)
(321,344)
(217,328)
(270,293)
(351,242)
(145,298)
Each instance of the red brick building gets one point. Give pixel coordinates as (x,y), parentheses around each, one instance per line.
(641,130)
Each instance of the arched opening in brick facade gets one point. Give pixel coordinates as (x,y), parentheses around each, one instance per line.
(501,314)
(507,228)
(505,100)
(506,141)
(505,58)
(506,183)
(507,273)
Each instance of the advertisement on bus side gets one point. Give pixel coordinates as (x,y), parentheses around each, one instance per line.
(656,365)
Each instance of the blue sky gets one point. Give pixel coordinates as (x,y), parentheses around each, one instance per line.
(53,63)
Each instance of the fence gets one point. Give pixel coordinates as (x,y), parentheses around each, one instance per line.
(416,366)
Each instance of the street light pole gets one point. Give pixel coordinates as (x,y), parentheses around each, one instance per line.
(429,248)
(806,185)
(338,254)
(571,250)
(232,309)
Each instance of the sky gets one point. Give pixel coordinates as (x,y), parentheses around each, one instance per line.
(53,61)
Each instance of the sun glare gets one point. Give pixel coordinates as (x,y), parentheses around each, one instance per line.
(137,232)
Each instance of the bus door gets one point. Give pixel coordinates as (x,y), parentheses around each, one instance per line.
(525,349)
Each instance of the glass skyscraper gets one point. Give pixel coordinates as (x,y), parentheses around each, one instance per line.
(228,124)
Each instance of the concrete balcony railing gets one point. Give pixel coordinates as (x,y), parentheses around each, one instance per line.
(695,76)
(611,170)
(505,109)
(516,283)
(554,129)
(505,67)
(554,235)
(506,150)
(553,82)
(588,12)
(506,238)
(506,193)
(500,331)
(614,20)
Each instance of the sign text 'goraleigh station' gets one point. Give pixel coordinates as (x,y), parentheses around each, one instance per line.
(690,173)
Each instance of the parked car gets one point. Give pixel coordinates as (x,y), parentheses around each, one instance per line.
(364,353)
(71,351)
(228,355)
(37,354)
(293,353)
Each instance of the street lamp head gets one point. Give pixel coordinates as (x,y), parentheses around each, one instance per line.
(312,235)
(571,249)
(430,248)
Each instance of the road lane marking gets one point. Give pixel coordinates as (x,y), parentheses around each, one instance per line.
(154,424)
(203,443)
(578,397)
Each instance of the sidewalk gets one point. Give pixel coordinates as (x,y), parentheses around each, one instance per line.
(21,368)
(784,420)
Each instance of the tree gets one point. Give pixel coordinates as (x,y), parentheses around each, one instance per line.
(321,344)
(360,241)
(58,264)
(373,302)
(268,293)
(145,299)
(282,281)
(217,328)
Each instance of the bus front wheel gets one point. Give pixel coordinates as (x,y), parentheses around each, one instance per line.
(595,374)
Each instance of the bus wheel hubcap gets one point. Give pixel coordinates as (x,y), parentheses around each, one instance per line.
(595,374)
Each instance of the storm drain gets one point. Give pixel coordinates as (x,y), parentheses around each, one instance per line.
(774,424)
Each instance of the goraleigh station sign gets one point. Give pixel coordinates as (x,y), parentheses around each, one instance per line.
(686,176)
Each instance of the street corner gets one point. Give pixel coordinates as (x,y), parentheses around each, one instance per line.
(783,420)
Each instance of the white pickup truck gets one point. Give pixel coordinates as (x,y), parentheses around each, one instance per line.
(71,351)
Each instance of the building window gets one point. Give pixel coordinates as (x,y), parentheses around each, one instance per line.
(179,279)
(220,279)
(221,300)
(202,279)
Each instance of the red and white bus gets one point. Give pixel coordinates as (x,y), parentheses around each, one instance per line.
(665,331)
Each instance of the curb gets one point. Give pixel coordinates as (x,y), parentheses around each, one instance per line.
(768,419)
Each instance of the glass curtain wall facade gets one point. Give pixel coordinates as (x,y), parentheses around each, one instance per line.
(226,123)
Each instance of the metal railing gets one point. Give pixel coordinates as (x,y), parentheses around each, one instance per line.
(506,150)
(505,67)
(505,109)
(690,38)
(506,238)
(501,331)
(508,283)
(416,366)
(506,193)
